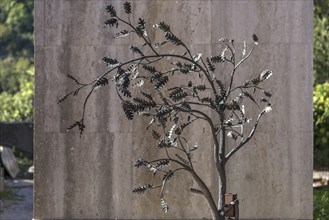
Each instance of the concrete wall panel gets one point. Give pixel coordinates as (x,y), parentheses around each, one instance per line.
(92,177)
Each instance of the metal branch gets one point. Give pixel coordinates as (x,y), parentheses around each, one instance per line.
(251,134)
(236,66)
(146,41)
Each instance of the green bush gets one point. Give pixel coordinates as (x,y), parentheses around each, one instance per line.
(321,39)
(18,106)
(16,60)
(321,124)
(321,203)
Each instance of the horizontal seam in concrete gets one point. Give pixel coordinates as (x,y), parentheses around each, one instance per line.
(174,219)
(85,132)
(200,0)
(114,45)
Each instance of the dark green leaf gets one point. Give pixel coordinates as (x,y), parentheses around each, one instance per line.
(255,38)
(156,135)
(162,144)
(177,94)
(123,82)
(141,162)
(76,92)
(142,189)
(160,80)
(101,82)
(151,69)
(185,106)
(184,125)
(221,87)
(147,95)
(173,39)
(110,9)
(129,109)
(111,62)
(217,59)
(207,99)
(62,99)
(200,88)
(162,163)
(264,100)
(111,22)
(163,26)
(78,124)
(141,23)
(127,7)
(144,103)
(268,94)
(211,67)
(135,49)
(125,92)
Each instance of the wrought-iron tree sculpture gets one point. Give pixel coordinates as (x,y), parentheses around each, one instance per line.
(172,108)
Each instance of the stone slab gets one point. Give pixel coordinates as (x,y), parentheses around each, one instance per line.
(9,161)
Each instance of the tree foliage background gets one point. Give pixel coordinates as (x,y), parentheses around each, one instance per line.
(16,60)
(321,41)
(321,103)
(321,83)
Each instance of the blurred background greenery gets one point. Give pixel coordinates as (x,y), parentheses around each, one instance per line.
(17,78)
(16,60)
(321,84)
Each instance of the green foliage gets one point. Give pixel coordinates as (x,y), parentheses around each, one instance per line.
(321,39)
(14,72)
(16,28)
(321,124)
(18,106)
(321,203)
(16,60)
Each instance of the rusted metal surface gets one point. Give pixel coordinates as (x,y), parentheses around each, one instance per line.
(232,206)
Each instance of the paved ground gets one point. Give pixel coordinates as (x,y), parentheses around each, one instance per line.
(21,209)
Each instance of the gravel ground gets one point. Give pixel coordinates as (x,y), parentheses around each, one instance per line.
(22,209)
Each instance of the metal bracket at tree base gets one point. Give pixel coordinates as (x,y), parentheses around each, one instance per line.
(231,206)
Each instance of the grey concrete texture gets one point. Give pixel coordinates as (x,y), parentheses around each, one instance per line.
(92,177)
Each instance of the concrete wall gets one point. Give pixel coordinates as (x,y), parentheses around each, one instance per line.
(92,177)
